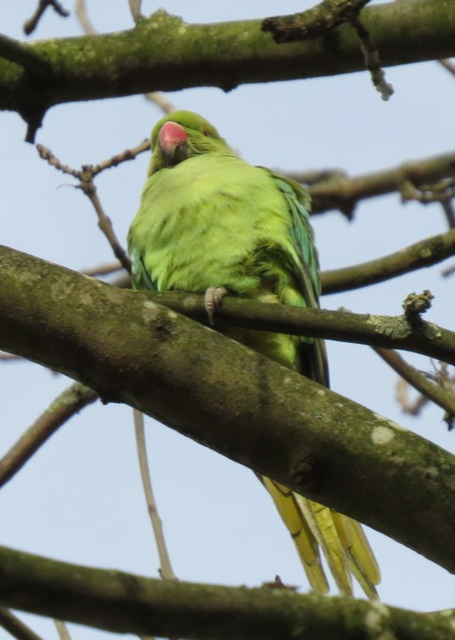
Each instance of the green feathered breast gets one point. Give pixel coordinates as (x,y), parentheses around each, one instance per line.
(214,220)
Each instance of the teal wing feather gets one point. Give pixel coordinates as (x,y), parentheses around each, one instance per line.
(312,354)
(140,275)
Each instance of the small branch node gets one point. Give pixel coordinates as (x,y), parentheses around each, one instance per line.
(415,305)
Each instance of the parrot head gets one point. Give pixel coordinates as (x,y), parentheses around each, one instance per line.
(182,135)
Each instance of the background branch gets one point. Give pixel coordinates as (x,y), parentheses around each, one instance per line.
(166,571)
(434,392)
(416,256)
(344,193)
(16,627)
(31,24)
(62,409)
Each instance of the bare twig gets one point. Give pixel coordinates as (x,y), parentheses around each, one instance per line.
(449,213)
(437,393)
(31,24)
(46,154)
(64,407)
(105,224)
(372,60)
(80,10)
(103,269)
(118,158)
(160,100)
(135,8)
(62,630)
(313,23)
(412,407)
(15,627)
(447,64)
(416,256)
(85,176)
(448,272)
(166,571)
(8,357)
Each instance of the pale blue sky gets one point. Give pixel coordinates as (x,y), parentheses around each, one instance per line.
(80,499)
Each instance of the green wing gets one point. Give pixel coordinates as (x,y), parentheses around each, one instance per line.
(312,354)
(140,275)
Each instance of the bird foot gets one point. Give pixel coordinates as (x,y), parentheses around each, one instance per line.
(213,301)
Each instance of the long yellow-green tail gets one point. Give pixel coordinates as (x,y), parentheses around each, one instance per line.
(342,540)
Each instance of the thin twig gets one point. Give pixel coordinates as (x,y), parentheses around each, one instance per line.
(413,408)
(105,224)
(80,10)
(160,100)
(449,213)
(15,627)
(372,60)
(448,272)
(135,8)
(447,64)
(46,154)
(435,392)
(114,161)
(8,357)
(31,24)
(166,571)
(103,269)
(69,402)
(85,176)
(62,630)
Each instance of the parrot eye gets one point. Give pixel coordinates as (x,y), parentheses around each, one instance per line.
(206,133)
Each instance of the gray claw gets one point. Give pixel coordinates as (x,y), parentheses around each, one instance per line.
(213,301)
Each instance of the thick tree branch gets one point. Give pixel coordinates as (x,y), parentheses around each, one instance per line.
(132,350)
(125,603)
(389,332)
(149,57)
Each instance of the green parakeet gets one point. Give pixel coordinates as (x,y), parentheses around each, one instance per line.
(209,222)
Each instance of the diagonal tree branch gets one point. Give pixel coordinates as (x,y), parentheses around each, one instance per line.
(299,433)
(69,402)
(16,627)
(416,256)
